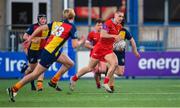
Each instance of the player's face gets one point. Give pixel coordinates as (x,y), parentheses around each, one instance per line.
(42,20)
(119,17)
(98,26)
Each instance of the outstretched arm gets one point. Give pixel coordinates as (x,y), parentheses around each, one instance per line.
(105,34)
(37,31)
(88,45)
(76,43)
(134,48)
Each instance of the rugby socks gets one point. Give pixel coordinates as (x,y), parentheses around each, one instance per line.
(56,78)
(106,80)
(33,87)
(16,87)
(40,84)
(75,78)
(97,79)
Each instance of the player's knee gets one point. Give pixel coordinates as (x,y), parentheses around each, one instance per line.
(90,69)
(34,75)
(71,64)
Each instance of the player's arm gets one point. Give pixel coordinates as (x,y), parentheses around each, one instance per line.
(88,45)
(37,31)
(134,48)
(105,34)
(77,43)
(25,36)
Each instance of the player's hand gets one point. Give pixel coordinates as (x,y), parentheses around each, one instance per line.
(36,40)
(82,39)
(117,38)
(26,44)
(137,54)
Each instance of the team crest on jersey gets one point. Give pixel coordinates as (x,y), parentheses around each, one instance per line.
(122,34)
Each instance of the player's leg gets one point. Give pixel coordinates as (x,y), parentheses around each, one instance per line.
(111,83)
(15,88)
(29,70)
(89,68)
(121,62)
(67,63)
(97,75)
(40,82)
(41,77)
(113,63)
(32,57)
(102,68)
(120,69)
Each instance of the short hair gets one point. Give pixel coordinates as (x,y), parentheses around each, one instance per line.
(99,20)
(119,11)
(69,13)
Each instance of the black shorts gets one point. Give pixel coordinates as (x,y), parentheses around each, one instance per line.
(47,59)
(121,57)
(33,56)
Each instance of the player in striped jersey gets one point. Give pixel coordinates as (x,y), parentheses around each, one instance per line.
(60,32)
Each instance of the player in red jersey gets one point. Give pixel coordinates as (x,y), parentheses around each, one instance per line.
(103,50)
(92,40)
(60,32)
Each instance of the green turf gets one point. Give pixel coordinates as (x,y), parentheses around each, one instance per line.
(129,93)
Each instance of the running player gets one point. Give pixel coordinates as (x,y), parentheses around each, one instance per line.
(60,32)
(119,50)
(34,50)
(93,38)
(103,50)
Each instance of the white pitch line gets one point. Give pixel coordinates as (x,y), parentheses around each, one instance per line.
(123,93)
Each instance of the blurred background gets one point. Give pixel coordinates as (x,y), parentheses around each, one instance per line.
(154,24)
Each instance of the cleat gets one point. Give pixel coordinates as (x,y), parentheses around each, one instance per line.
(11,94)
(54,86)
(51,84)
(58,88)
(72,84)
(107,89)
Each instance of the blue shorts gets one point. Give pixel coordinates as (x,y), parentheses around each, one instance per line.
(121,57)
(33,56)
(47,59)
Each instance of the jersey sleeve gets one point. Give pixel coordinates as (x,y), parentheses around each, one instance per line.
(128,34)
(106,27)
(50,25)
(90,38)
(73,32)
(30,30)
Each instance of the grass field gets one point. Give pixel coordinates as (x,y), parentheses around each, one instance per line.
(128,93)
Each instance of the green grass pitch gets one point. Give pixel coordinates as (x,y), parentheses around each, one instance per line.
(128,93)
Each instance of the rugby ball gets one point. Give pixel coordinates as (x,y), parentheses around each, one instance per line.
(119,45)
